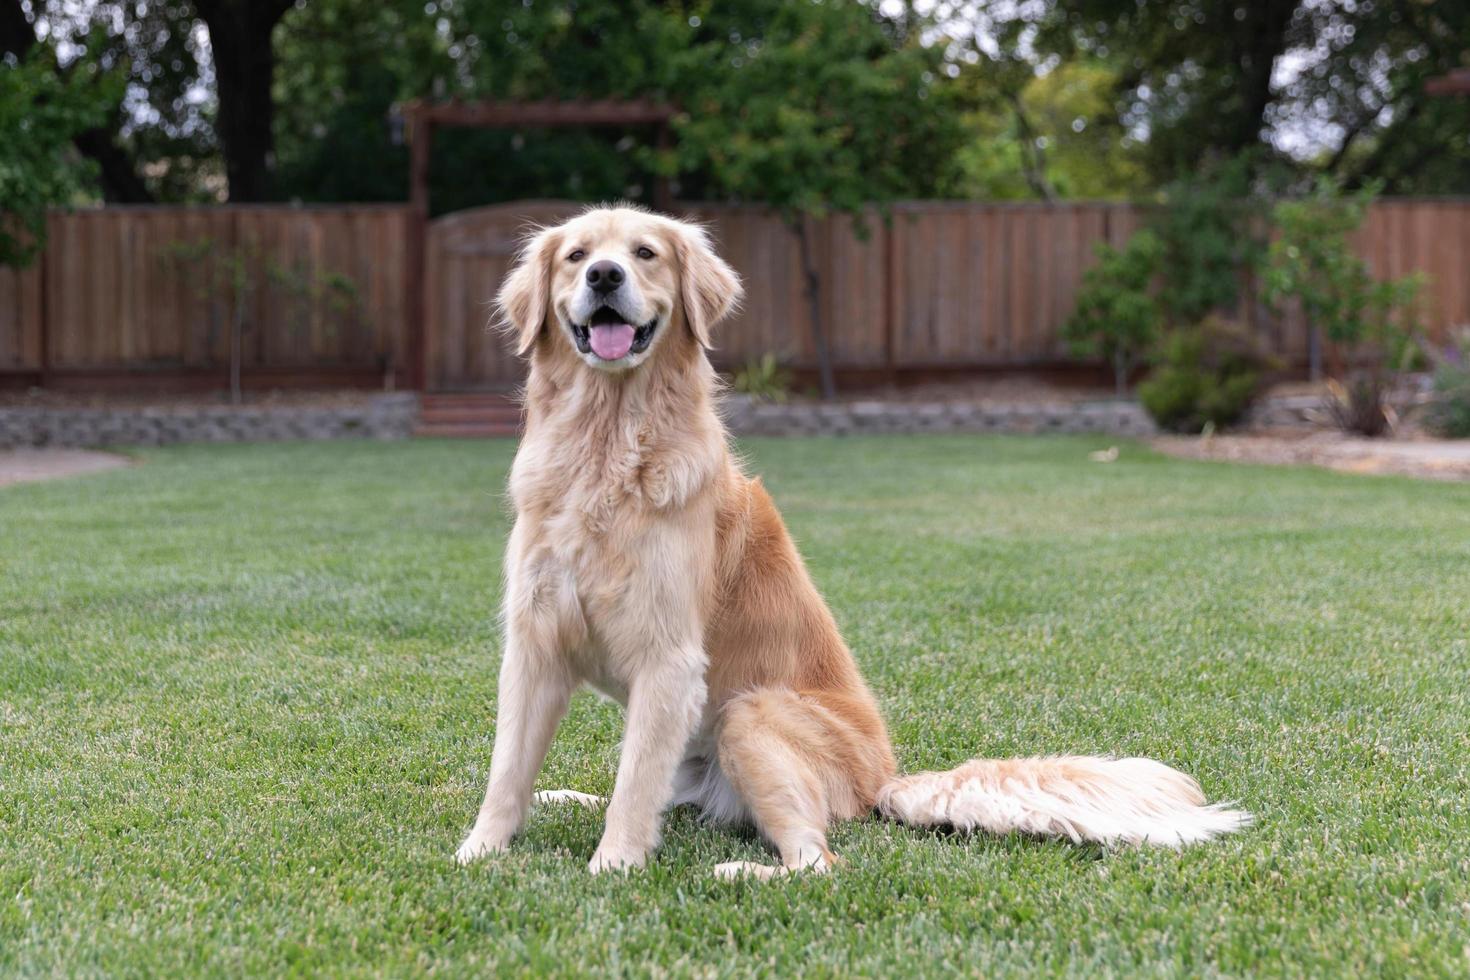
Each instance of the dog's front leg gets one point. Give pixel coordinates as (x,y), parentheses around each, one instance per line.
(535,687)
(664,706)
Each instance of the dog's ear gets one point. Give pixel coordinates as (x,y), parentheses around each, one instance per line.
(524,300)
(709,288)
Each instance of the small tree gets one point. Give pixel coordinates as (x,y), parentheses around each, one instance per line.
(1118,317)
(1210,225)
(1368,320)
(231,278)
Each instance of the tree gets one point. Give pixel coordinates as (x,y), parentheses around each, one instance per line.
(1118,317)
(116,175)
(1313,263)
(244,68)
(1196,78)
(1364,82)
(829,108)
(41,113)
(1212,226)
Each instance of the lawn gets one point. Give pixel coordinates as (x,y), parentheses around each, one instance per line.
(247,698)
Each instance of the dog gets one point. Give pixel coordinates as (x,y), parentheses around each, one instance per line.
(645,563)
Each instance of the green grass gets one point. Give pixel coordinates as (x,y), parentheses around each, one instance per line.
(247,697)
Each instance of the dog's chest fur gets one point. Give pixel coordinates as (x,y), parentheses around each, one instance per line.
(600,490)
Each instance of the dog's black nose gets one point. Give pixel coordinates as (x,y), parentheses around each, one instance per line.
(605,276)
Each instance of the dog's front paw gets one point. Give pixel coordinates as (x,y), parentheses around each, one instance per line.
(610,858)
(478,844)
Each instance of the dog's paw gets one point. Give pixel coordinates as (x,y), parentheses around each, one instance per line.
(479,844)
(610,858)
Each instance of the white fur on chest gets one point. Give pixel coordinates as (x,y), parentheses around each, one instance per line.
(613,578)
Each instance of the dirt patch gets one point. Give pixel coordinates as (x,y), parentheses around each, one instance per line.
(1442,459)
(29,465)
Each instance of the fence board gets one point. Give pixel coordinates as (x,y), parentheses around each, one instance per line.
(20,318)
(151,288)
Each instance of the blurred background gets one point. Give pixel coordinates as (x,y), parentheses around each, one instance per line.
(227,196)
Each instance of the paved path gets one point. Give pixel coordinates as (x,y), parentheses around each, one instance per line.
(27,465)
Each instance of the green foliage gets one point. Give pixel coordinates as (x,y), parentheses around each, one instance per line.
(763,378)
(1205,375)
(829,112)
(1118,317)
(809,106)
(40,111)
(1448,413)
(1313,262)
(1370,322)
(1052,135)
(1210,224)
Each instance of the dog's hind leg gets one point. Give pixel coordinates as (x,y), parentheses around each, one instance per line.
(781,753)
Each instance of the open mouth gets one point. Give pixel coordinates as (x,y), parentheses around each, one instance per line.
(609,337)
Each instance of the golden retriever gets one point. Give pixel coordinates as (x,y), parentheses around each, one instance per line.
(645,563)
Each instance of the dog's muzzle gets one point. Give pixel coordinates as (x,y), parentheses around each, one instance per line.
(608,335)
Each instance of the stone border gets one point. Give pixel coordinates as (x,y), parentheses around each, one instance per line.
(746,416)
(390,416)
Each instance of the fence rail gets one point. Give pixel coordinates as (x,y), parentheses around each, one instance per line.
(929,285)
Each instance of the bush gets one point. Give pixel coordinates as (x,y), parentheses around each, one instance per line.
(1117,315)
(763,379)
(1448,413)
(1369,322)
(1204,375)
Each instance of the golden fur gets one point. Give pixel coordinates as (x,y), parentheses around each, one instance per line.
(645,563)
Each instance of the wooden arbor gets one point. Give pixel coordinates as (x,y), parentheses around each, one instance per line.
(420,119)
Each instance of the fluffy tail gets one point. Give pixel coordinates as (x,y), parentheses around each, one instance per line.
(1114,801)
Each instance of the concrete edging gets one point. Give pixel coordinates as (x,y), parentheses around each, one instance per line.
(381,417)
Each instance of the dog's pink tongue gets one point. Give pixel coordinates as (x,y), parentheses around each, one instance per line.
(611,341)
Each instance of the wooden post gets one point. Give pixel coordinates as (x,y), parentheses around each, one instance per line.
(416,295)
(889,231)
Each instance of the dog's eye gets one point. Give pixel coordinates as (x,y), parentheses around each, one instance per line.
(577,255)
(644,252)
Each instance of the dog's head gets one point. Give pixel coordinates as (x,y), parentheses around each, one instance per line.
(614,285)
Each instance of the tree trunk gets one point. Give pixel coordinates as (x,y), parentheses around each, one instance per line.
(825,373)
(237,350)
(120,181)
(244,63)
(1120,374)
(1259,39)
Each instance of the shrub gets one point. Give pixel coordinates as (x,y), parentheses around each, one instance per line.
(1204,375)
(1370,321)
(1117,316)
(1448,413)
(763,378)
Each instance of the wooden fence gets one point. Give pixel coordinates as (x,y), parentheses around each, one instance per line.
(935,285)
(315,291)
